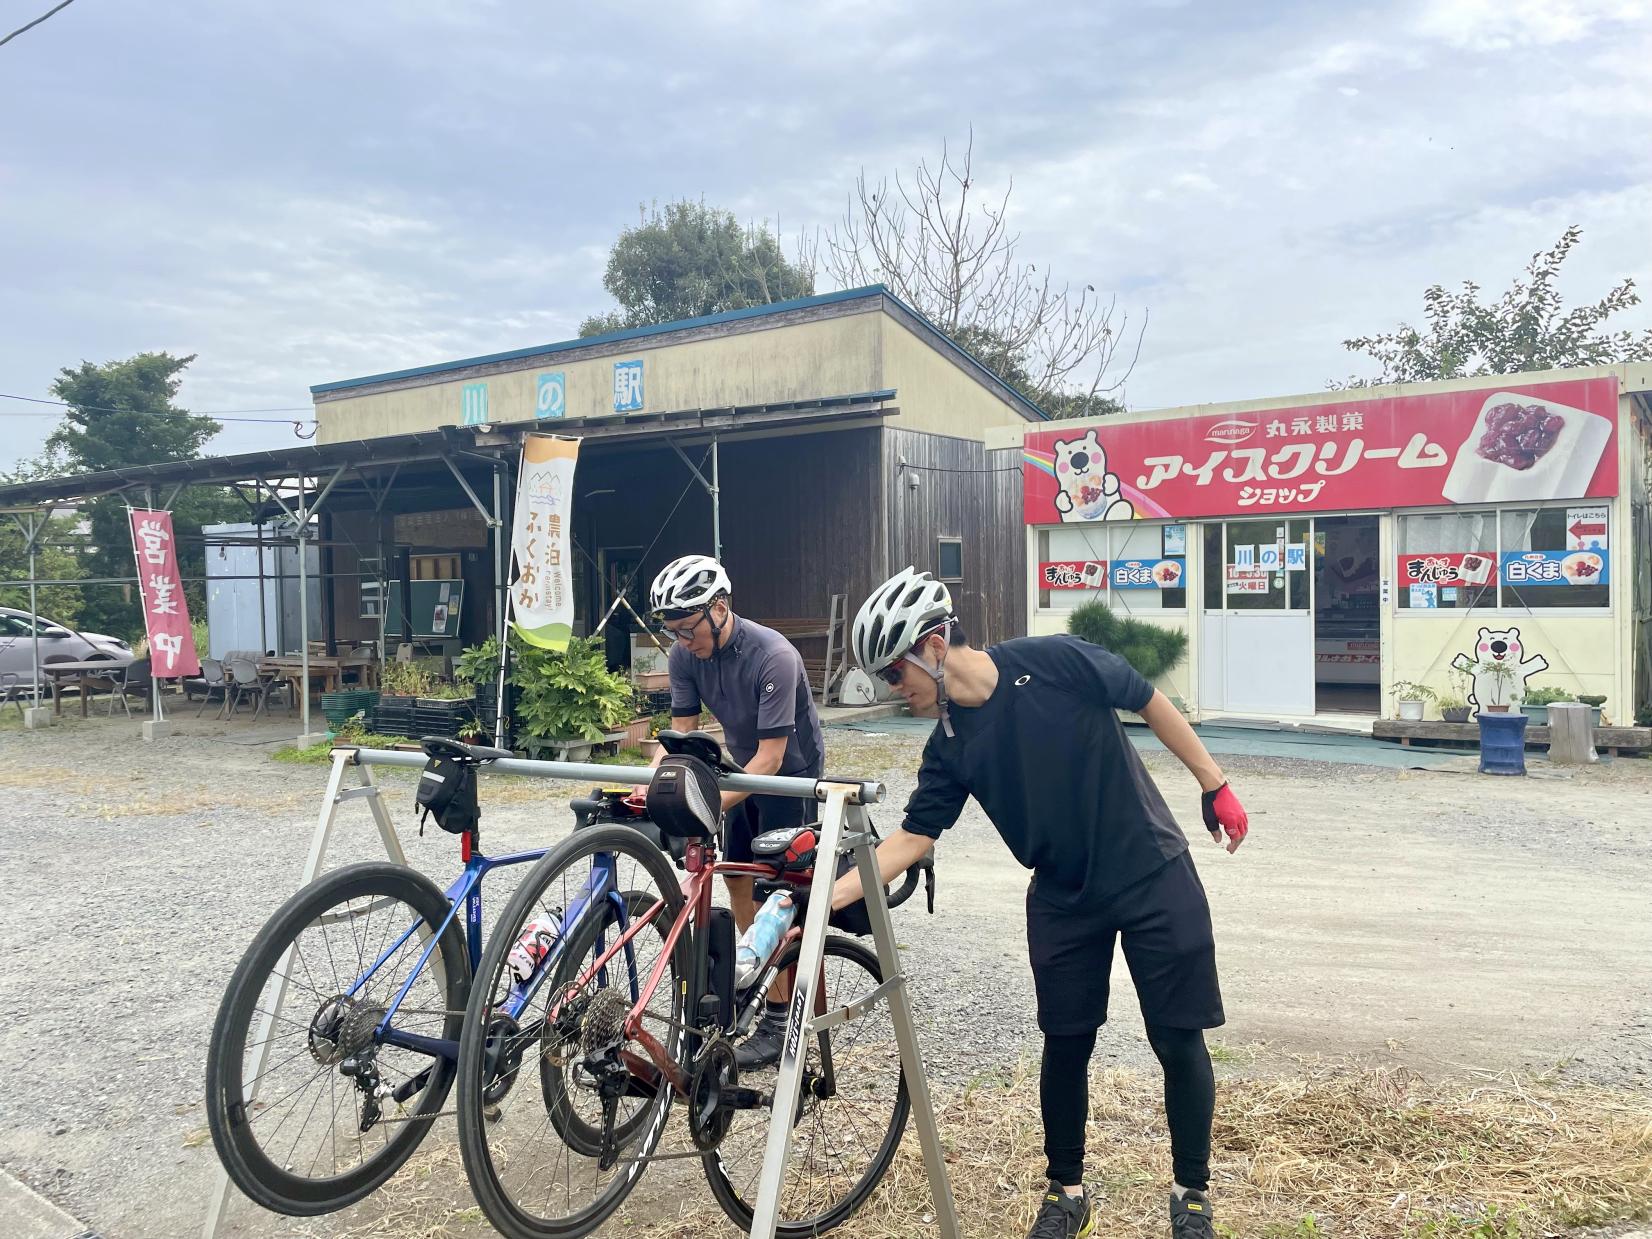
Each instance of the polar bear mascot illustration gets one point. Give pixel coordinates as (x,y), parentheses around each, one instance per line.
(1087,491)
(1496,646)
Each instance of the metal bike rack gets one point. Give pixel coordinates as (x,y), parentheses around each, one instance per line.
(844,827)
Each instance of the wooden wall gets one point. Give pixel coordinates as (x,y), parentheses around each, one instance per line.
(957,496)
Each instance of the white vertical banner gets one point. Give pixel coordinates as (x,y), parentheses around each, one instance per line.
(542,595)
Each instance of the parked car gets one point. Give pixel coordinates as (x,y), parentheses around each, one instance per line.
(17,645)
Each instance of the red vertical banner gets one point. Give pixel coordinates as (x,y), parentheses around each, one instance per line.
(160,584)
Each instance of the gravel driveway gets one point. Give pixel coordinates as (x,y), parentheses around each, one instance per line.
(1449,921)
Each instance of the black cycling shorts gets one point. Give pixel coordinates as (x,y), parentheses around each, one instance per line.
(1165,922)
(756,814)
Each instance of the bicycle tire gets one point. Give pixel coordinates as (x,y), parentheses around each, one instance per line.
(582,948)
(249,1167)
(474,1147)
(733,1198)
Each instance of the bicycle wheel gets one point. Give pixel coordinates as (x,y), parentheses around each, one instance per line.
(852,1109)
(554,1130)
(315,1139)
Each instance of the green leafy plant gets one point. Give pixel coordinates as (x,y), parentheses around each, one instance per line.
(1407,690)
(568,696)
(1456,696)
(406,680)
(478,664)
(1151,650)
(1545,697)
(441,691)
(1501,677)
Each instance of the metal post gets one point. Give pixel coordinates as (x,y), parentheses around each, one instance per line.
(716,507)
(502,599)
(263,602)
(33,533)
(303,612)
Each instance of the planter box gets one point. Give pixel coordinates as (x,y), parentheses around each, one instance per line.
(652,681)
(636,731)
(393,716)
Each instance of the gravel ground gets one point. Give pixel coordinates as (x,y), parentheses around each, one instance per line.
(1450,922)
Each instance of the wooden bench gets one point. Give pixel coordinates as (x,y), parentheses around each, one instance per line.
(1612,740)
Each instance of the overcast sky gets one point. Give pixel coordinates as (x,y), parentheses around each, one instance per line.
(305,192)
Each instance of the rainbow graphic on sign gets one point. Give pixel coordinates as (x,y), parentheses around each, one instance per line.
(1146,508)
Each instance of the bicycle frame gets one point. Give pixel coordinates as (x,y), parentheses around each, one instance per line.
(701,862)
(466,892)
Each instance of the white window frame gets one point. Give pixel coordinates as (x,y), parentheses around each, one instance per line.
(1102,547)
(1499,608)
(940,541)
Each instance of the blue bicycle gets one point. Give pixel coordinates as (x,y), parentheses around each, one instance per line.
(337,1039)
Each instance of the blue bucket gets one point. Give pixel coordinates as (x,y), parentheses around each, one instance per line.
(1502,743)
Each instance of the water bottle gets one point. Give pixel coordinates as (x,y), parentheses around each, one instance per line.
(758,942)
(538,937)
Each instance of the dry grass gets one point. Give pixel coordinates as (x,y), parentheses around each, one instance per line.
(1329,1150)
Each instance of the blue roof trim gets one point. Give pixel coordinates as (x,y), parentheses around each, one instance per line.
(683,324)
(612,337)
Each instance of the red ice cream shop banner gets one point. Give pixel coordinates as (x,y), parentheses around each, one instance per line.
(1519,443)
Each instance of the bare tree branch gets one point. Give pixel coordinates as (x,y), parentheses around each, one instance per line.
(933,242)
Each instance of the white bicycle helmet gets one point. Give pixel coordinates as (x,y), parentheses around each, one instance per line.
(687,584)
(901,610)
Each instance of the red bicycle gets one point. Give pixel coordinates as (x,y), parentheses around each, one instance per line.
(629,1004)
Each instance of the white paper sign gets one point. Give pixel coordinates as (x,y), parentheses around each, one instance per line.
(1271,558)
(1586,529)
(1296,557)
(1244,556)
(542,595)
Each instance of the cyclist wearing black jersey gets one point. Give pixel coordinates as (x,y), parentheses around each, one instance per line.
(1029,728)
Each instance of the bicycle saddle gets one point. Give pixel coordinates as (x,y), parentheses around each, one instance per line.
(458,750)
(702,745)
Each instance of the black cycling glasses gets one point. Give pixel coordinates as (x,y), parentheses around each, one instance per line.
(892,674)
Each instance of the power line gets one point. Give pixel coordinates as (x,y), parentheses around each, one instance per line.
(35,22)
(226,415)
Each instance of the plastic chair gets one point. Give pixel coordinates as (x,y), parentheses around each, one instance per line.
(245,682)
(212,679)
(135,679)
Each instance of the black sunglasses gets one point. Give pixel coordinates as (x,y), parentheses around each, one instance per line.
(893,673)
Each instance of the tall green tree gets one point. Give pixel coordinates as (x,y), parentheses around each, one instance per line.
(55,560)
(125,413)
(689,260)
(1526,328)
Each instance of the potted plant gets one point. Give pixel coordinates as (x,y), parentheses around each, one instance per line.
(1499,677)
(399,689)
(1453,703)
(1594,701)
(441,708)
(1535,704)
(570,700)
(1412,699)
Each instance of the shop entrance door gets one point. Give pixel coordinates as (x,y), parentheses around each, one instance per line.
(1256,651)
(1347,627)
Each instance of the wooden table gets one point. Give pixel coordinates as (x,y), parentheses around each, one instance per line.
(329,669)
(88,675)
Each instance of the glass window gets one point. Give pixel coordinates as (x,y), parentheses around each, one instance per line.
(1213,566)
(1247,584)
(1538,567)
(1081,552)
(367,584)
(1451,557)
(1144,542)
(950,558)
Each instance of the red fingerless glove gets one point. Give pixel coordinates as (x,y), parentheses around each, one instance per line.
(1223,812)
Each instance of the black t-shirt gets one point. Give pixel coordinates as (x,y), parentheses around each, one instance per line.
(1047,758)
